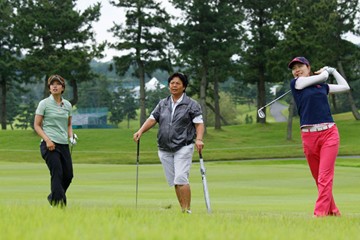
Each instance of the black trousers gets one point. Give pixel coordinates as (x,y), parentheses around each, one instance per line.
(59,163)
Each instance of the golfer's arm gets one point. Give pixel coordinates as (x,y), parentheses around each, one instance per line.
(341,86)
(38,127)
(199,127)
(149,123)
(303,82)
(70,130)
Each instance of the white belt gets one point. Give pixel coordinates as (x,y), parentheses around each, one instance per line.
(317,128)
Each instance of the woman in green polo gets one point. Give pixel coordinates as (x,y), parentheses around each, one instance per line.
(53,125)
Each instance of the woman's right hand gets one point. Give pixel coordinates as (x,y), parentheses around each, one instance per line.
(50,145)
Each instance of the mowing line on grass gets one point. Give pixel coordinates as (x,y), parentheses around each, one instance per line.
(209,149)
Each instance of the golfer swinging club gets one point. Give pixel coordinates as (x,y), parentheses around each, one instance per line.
(320,136)
(180,121)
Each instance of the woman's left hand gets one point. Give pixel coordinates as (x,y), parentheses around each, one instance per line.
(326,68)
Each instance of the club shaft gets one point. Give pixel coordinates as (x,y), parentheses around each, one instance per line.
(275,100)
(205,187)
(137,171)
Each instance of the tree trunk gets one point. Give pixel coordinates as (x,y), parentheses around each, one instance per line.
(142,91)
(333,102)
(202,99)
(354,109)
(290,120)
(333,97)
(75,92)
(261,98)
(217,104)
(3,103)
(212,108)
(46,88)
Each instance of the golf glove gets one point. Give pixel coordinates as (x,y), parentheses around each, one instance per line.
(73,139)
(330,70)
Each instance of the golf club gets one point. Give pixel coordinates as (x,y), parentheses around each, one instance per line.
(137,171)
(203,176)
(261,114)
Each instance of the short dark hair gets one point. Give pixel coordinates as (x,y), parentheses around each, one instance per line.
(182,77)
(56,77)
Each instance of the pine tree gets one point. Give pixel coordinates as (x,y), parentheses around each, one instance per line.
(142,42)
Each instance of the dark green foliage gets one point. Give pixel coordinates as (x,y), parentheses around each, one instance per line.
(123,106)
(314,30)
(95,93)
(241,47)
(154,96)
(56,38)
(145,47)
(207,38)
(13,102)
(8,59)
(261,36)
(26,117)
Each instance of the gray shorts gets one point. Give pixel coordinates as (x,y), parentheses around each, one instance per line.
(177,165)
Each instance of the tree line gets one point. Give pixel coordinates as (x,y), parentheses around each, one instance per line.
(247,42)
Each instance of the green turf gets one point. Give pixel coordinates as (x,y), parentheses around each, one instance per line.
(231,143)
(250,200)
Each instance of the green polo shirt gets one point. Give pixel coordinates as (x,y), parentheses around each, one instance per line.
(55,118)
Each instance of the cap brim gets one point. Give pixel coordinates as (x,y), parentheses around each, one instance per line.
(61,82)
(295,61)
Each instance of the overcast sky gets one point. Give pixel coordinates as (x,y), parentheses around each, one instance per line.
(111,14)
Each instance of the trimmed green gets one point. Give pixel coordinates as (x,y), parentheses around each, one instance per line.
(250,200)
(253,141)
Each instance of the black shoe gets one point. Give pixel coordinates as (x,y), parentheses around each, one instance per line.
(49,199)
(54,203)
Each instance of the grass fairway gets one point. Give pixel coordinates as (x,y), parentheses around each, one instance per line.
(115,146)
(250,200)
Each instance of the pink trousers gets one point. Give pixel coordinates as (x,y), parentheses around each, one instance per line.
(321,149)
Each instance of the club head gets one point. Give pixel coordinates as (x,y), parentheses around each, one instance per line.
(261,114)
